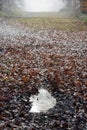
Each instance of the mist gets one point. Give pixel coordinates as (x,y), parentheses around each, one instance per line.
(42,8)
(43,5)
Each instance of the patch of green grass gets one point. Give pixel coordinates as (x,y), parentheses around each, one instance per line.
(2,14)
(83,17)
(12,13)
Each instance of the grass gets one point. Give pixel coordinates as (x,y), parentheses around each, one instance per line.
(12,13)
(83,17)
(2,14)
(68,24)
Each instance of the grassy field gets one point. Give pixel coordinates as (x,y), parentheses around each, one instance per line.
(49,20)
(67,24)
(2,14)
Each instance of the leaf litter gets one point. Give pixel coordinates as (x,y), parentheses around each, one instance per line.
(52,59)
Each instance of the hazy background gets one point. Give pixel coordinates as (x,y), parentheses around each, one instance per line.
(32,8)
(44,5)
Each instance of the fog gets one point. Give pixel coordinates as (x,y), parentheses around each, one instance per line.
(43,5)
(42,8)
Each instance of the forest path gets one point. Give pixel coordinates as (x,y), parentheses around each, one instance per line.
(46,53)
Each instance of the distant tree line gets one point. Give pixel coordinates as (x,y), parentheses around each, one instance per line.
(83,6)
(77,5)
(10,4)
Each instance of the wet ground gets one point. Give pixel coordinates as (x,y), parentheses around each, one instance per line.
(53,59)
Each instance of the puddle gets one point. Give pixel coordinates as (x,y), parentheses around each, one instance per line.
(42,102)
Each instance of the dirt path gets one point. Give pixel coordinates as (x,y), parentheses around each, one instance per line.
(55,59)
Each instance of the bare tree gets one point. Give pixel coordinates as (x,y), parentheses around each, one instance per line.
(11,4)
